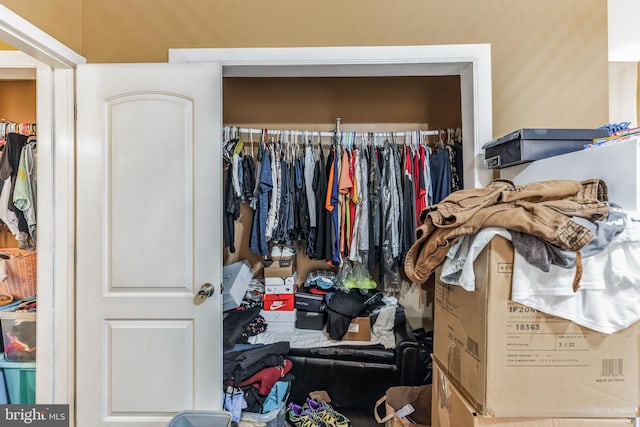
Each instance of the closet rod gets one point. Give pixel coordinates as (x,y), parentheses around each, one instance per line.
(330,134)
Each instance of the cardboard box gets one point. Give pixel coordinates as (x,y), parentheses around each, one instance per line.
(235,281)
(278,302)
(359,330)
(280,268)
(449,408)
(280,285)
(514,361)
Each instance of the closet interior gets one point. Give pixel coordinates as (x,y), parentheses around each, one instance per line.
(18,156)
(354,120)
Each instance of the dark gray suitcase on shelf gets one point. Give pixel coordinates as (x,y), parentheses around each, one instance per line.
(526,145)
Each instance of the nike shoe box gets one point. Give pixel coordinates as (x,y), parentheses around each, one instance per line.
(279,320)
(309,320)
(278,302)
(307,301)
(235,281)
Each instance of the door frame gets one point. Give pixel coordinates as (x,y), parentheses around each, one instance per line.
(472,62)
(55,105)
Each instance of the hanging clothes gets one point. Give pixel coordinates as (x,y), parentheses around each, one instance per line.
(409,205)
(335,209)
(320,188)
(345,186)
(25,193)
(440,175)
(360,200)
(258,241)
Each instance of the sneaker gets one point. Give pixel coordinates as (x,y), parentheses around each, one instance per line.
(276,252)
(288,252)
(327,414)
(297,416)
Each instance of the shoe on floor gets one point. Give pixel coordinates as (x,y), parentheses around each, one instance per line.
(327,414)
(297,416)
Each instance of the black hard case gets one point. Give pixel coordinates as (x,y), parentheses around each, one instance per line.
(526,145)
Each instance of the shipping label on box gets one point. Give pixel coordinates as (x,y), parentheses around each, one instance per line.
(512,360)
(359,330)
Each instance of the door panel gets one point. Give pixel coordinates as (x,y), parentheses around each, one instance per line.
(148,236)
(135,215)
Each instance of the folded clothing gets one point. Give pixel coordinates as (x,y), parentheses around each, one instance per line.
(266,378)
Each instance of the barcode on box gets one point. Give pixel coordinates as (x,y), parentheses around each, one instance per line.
(612,368)
(472,347)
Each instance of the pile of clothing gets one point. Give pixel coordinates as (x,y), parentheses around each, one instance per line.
(256,378)
(577,255)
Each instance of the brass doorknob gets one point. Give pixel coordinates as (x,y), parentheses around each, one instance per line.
(206,290)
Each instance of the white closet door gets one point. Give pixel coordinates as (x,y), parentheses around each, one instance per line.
(149,207)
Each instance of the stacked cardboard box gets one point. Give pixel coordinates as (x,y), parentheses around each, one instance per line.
(450,408)
(279,295)
(508,360)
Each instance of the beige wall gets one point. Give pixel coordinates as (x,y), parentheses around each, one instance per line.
(549,57)
(59,18)
(18,101)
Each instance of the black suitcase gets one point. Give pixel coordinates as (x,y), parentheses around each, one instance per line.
(526,145)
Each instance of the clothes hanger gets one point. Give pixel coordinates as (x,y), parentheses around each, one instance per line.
(251,142)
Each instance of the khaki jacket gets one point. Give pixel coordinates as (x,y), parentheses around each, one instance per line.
(543,209)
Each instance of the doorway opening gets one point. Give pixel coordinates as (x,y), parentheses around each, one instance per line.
(244,70)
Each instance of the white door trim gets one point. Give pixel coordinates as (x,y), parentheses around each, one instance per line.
(56,197)
(472,62)
(21,34)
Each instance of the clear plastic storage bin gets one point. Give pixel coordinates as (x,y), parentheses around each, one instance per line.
(19,335)
(271,419)
(201,419)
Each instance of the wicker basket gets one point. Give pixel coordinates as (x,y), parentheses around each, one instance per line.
(21,281)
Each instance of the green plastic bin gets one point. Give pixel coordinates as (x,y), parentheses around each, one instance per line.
(20,378)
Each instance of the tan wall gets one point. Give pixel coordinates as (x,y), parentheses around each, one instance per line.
(549,61)
(18,101)
(549,57)
(59,18)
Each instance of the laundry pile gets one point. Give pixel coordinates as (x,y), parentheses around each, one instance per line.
(256,378)
(577,255)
